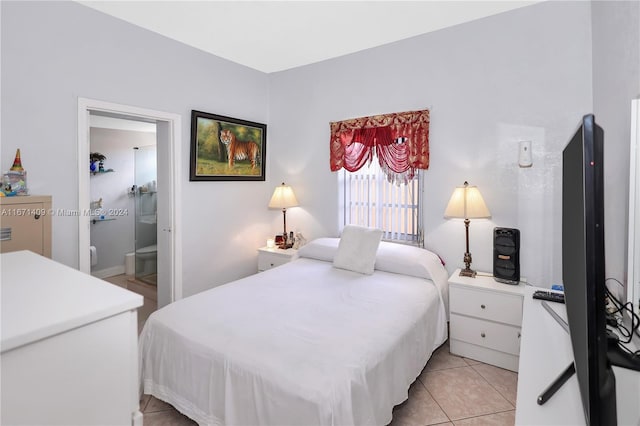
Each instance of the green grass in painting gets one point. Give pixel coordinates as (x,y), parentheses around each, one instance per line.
(217,168)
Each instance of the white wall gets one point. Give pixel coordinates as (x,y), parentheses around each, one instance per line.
(616,81)
(55,52)
(524,74)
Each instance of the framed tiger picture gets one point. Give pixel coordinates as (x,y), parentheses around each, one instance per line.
(225,148)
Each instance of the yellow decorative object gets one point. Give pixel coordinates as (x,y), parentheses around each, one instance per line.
(17,163)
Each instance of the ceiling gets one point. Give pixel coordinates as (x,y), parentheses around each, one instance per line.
(105,122)
(272,36)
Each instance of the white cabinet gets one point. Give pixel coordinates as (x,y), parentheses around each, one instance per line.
(486,319)
(270,258)
(69,349)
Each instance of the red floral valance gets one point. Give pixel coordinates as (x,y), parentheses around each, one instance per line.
(400,141)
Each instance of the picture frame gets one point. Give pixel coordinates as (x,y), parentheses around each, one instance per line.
(226,148)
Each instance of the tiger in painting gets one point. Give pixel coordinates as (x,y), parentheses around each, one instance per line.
(239,150)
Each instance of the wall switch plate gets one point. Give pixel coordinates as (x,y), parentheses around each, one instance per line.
(524,155)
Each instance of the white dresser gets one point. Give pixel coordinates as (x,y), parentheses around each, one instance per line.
(69,348)
(486,319)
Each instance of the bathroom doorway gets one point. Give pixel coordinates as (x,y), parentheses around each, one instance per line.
(168,145)
(123,188)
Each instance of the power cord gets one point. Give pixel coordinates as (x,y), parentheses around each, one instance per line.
(620,308)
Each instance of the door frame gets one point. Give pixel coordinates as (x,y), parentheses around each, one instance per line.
(633,259)
(173,151)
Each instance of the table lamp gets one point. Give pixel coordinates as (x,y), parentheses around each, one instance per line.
(466,203)
(283,198)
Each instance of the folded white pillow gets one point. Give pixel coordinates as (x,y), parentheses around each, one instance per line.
(407,260)
(357,249)
(414,261)
(320,249)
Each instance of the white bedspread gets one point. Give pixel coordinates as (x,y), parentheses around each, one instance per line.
(301,344)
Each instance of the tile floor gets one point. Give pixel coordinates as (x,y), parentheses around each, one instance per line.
(148,291)
(451,390)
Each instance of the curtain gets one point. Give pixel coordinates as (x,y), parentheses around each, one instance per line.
(400,142)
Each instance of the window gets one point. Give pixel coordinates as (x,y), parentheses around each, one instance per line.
(371,200)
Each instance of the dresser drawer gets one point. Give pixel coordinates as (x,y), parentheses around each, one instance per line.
(488,305)
(500,337)
(271,260)
(26,224)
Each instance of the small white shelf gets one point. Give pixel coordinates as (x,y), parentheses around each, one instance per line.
(98,172)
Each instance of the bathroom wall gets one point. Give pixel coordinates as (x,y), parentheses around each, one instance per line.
(115,238)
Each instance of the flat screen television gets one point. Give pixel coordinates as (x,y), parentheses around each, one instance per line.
(583,270)
(595,349)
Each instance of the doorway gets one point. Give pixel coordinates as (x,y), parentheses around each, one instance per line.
(168,141)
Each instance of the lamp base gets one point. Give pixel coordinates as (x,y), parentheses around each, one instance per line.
(466,272)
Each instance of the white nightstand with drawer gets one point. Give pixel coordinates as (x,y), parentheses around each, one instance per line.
(486,318)
(270,258)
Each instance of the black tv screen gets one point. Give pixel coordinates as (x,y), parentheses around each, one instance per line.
(583,270)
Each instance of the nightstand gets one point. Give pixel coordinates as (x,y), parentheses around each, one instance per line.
(270,258)
(486,318)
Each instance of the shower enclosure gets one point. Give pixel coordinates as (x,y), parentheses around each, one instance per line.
(145,191)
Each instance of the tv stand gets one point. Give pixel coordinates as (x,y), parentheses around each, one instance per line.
(568,372)
(615,355)
(618,357)
(545,351)
(556,384)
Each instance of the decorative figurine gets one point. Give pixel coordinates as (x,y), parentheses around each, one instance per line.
(96,157)
(14,181)
(299,241)
(17,163)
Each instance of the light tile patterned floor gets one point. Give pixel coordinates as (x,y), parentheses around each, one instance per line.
(450,391)
(458,391)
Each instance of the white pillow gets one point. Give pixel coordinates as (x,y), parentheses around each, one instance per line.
(405,259)
(320,249)
(414,261)
(357,249)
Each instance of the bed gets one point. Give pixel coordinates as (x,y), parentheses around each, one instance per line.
(306,343)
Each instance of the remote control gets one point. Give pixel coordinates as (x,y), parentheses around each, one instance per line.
(548,295)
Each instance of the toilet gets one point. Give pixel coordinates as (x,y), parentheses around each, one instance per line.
(146,259)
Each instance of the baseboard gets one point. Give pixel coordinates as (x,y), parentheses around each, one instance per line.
(109,272)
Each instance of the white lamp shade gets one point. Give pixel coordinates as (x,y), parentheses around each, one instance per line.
(466,203)
(283,197)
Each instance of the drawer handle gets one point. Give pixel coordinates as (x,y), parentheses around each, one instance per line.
(482,306)
(36,217)
(271,265)
(518,334)
(483,335)
(5,234)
